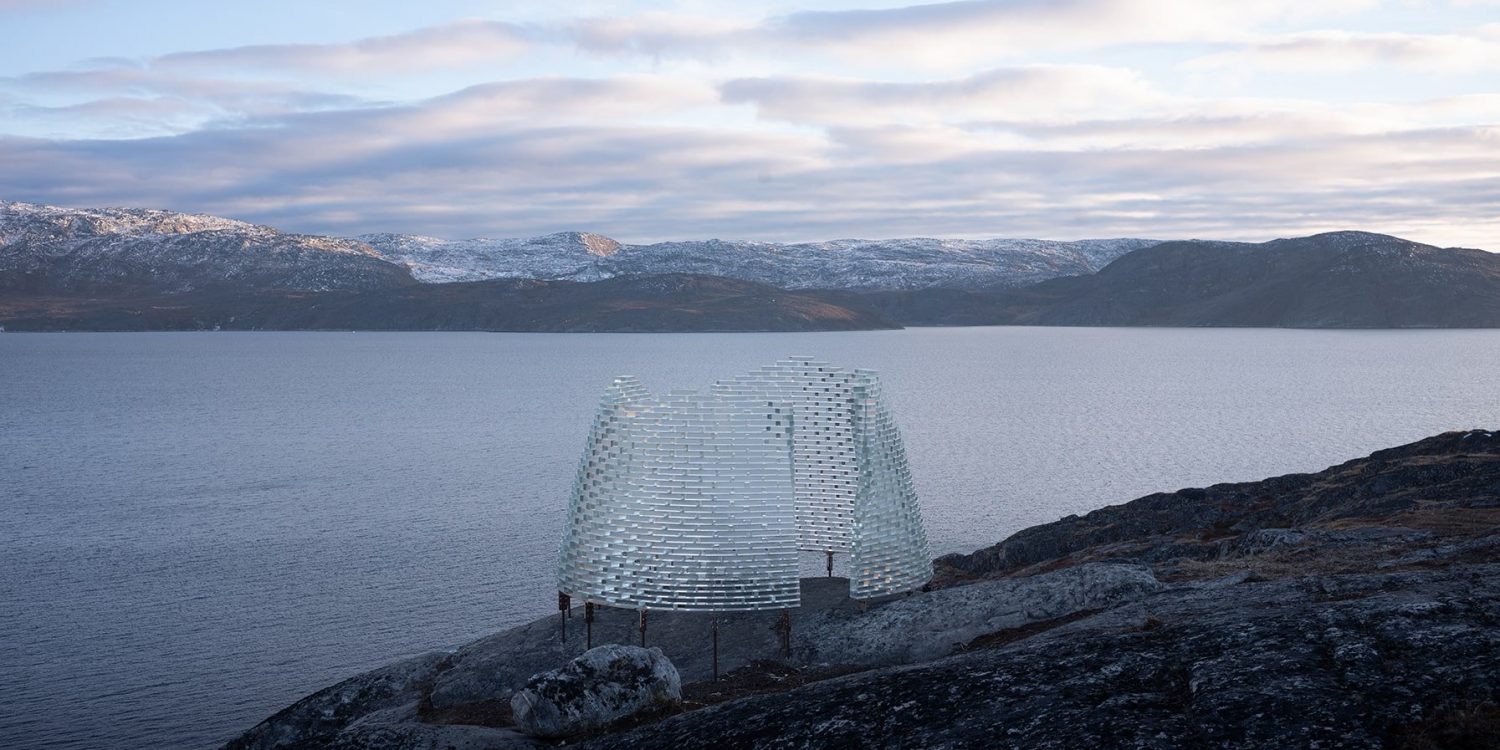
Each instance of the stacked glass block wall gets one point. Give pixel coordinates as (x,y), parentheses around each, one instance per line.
(702,501)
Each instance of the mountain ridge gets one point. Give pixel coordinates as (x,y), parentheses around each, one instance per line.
(1345,279)
(132,269)
(866,265)
(50,250)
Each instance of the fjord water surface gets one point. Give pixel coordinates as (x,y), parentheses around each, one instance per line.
(198,529)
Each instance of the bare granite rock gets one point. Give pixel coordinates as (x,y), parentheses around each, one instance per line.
(604,685)
(829,629)
(1448,484)
(315,720)
(935,624)
(1358,607)
(1352,661)
(402,728)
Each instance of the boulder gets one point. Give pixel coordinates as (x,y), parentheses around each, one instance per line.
(595,690)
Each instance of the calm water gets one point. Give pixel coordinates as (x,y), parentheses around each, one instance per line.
(198,529)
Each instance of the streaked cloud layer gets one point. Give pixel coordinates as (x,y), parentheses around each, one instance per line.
(662,120)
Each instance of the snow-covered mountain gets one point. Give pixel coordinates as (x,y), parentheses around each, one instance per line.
(565,255)
(51,249)
(45,249)
(863,265)
(136,269)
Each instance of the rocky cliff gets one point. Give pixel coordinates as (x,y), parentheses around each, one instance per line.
(1357,607)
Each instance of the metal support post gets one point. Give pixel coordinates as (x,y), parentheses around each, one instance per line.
(643,628)
(588,625)
(564,603)
(786,632)
(830,563)
(716,647)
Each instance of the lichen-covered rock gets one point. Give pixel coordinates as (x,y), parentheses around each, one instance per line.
(1341,609)
(1448,483)
(600,687)
(315,720)
(1351,661)
(418,736)
(402,728)
(939,623)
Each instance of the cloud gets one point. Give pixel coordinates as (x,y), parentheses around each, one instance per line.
(952,34)
(1024,93)
(1071,107)
(659,35)
(1023,136)
(31,5)
(210,85)
(242,82)
(135,101)
(1200,124)
(121,106)
(554,99)
(142,80)
(121,116)
(447,46)
(1343,51)
(510,159)
(213,85)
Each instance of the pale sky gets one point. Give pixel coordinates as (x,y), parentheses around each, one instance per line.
(778,120)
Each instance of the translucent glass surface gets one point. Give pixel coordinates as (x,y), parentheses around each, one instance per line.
(701,501)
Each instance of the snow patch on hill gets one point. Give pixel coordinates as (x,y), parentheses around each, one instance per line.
(844,264)
(47,248)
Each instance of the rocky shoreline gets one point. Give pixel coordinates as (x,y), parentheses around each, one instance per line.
(1354,607)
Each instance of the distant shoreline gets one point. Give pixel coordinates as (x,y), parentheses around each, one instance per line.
(758,331)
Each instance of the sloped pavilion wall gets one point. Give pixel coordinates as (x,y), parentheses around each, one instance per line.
(698,501)
(825,466)
(890,553)
(684,502)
